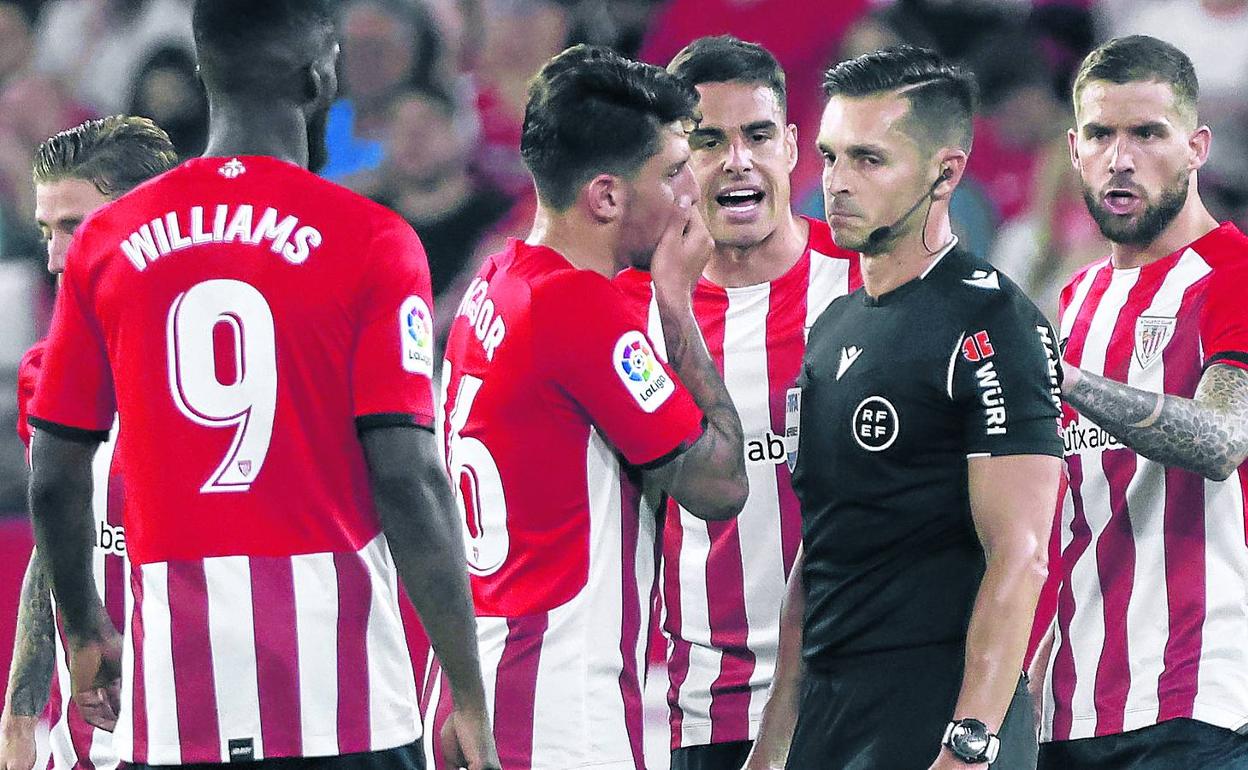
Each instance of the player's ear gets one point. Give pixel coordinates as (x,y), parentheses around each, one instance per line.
(321,80)
(1199,143)
(604,197)
(1072,139)
(790,145)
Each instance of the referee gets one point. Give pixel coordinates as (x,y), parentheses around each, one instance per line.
(928,457)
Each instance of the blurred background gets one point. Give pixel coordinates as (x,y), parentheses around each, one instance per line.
(433,95)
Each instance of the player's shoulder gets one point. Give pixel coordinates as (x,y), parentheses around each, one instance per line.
(29,367)
(977,289)
(1224,249)
(821,244)
(634,284)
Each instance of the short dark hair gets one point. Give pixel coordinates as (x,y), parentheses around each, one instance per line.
(1140,58)
(258,47)
(116,154)
(592,111)
(727,59)
(942,96)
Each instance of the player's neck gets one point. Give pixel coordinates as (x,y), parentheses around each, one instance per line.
(574,241)
(762,262)
(245,128)
(1192,222)
(907,258)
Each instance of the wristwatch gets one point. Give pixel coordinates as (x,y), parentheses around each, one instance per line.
(970,741)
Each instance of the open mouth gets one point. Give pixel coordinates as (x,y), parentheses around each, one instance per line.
(1121,201)
(740,199)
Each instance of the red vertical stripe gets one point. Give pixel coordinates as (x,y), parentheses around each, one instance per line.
(1083,321)
(678,662)
(277,654)
(114,566)
(194,687)
(516,689)
(441,714)
(786,343)
(138,697)
(630,630)
(1183,531)
(355,598)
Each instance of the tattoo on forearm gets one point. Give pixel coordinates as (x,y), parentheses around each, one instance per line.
(1207,434)
(34,650)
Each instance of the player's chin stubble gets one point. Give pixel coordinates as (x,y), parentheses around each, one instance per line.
(1149,224)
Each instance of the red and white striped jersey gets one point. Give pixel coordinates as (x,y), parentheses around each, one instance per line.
(72,742)
(722,581)
(244,318)
(1152,611)
(552,390)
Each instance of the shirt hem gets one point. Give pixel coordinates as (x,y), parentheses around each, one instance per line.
(383,740)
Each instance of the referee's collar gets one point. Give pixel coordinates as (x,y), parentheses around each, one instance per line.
(948,247)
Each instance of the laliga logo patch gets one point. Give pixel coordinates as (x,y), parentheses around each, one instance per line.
(416,336)
(1152,334)
(875,424)
(641,372)
(792,425)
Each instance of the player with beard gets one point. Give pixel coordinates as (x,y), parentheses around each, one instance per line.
(75,172)
(1149,662)
(927,461)
(553,390)
(772,273)
(265,338)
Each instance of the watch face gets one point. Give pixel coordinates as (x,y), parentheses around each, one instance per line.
(969,739)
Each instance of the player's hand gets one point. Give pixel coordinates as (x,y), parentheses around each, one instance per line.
(683,250)
(17,742)
(468,742)
(95,675)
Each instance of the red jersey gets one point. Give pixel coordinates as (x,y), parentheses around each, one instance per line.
(723,581)
(244,317)
(72,743)
(552,388)
(1152,611)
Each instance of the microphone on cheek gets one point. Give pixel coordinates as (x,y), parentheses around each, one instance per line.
(881,234)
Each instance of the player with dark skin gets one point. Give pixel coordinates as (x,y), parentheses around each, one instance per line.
(276,106)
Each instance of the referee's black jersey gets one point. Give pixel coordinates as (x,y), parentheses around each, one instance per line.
(894,395)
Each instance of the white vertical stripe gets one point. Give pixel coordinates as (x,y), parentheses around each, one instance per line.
(695,625)
(829,279)
(1087,628)
(747,379)
(392,713)
(231,632)
(316,623)
(1222,682)
(1146,500)
(1046,727)
(430,708)
(59,742)
(1081,294)
(654,326)
(162,709)
(123,734)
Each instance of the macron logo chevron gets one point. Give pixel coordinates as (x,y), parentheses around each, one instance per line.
(983,279)
(848,356)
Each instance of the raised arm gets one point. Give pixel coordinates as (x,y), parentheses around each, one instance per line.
(413,499)
(30,676)
(1207,434)
(708,479)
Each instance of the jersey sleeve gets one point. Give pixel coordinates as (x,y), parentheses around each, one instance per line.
(27,378)
(74,397)
(1224,319)
(1006,381)
(392,365)
(604,362)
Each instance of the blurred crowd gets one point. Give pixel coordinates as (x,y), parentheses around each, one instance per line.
(433,95)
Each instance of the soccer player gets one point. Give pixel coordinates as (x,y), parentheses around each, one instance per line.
(553,388)
(771,274)
(76,172)
(1149,664)
(265,339)
(928,457)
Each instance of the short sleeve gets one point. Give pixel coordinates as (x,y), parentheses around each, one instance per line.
(27,378)
(1006,382)
(392,364)
(74,397)
(604,362)
(1224,319)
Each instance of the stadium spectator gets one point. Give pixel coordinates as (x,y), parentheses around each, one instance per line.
(169,91)
(96,47)
(16,42)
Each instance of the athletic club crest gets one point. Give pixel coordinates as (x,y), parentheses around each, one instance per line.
(1152,334)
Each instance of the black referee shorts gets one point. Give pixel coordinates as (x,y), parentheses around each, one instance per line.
(713,756)
(888,711)
(1175,743)
(409,757)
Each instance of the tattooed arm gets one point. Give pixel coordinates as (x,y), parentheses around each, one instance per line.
(708,479)
(30,678)
(1207,434)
